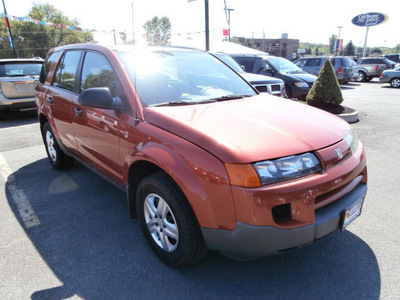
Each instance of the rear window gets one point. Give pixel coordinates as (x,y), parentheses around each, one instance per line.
(20,69)
(345,62)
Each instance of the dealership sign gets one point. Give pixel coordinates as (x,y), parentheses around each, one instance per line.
(369,19)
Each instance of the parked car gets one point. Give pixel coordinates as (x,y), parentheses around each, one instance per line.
(371,67)
(206,161)
(18,79)
(392,77)
(297,82)
(393,57)
(262,83)
(342,65)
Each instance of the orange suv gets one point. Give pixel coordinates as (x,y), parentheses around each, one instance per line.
(206,161)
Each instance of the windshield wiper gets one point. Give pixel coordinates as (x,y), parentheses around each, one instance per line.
(183,102)
(230,97)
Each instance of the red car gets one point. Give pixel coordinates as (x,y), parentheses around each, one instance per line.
(206,161)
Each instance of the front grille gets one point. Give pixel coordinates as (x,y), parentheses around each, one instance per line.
(332,196)
(275,88)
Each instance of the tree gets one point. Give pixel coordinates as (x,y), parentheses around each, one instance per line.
(32,39)
(325,92)
(350,50)
(158,31)
(376,51)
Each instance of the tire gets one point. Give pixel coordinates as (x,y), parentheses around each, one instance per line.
(395,82)
(168,222)
(57,158)
(361,76)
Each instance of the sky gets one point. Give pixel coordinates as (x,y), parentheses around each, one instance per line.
(309,20)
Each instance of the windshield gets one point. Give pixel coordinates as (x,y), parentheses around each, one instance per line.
(179,77)
(284,66)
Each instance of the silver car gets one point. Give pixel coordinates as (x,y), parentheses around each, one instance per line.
(392,77)
(342,65)
(18,79)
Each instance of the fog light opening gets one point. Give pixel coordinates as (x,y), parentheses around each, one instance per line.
(282,212)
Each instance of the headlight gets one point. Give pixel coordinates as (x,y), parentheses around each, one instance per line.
(274,170)
(351,140)
(301,84)
(286,168)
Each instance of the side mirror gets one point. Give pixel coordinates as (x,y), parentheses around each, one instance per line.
(99,97)
(269,71)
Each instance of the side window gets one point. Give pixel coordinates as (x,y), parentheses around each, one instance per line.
(97,72)
(66,72)
(301,63)
(313,62)
(247,62)
(333,61)
(48,65)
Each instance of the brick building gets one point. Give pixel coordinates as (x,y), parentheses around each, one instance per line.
(282,47)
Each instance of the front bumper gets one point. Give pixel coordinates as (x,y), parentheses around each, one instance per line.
(248,241)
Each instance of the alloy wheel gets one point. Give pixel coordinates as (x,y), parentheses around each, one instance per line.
(161,222)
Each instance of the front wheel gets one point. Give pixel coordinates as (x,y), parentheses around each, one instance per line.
(168,222)
(57,158)
(395,82)
(361,76)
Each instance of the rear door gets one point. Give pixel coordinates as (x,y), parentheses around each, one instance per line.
(60,95)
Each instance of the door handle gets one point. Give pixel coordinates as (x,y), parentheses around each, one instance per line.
(78,111)
(50,100)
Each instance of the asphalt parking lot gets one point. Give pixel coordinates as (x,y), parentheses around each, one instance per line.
(68,235)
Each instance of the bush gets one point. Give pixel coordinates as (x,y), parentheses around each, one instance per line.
(326,90)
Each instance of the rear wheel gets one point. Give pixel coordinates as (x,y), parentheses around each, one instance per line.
(168,222)
(395,82)
(57,158)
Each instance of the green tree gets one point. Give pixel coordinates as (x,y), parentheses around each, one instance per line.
(376,51)
(158,31)
(326,91)
(350,50)
(31,39)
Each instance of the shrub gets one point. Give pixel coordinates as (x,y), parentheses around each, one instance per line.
(326,89)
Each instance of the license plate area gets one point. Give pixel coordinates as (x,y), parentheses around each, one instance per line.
(351,213)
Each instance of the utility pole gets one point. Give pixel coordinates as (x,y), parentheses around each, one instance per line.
(9,31)
(207,26)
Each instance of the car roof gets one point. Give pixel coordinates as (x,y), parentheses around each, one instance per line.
(17,60)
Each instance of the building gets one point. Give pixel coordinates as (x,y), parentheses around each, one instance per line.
(282,47)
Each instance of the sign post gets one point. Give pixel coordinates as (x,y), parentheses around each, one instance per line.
(368,20)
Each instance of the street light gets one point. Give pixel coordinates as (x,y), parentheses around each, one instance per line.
(338,39)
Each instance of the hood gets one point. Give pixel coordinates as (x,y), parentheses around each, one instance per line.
(251,129)
(302,77)
(256,78)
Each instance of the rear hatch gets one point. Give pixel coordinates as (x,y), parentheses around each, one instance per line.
(19,79)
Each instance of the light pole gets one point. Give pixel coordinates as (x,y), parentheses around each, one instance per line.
(338,39)
(229,21)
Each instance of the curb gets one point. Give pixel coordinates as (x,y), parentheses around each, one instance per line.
(350,117)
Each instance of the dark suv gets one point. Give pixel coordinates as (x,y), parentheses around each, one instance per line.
(371,67)
(297,82)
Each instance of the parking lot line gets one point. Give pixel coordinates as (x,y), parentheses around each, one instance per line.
(28,215)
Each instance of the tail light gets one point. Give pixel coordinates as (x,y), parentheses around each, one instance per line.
(376,68)
(339,70)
